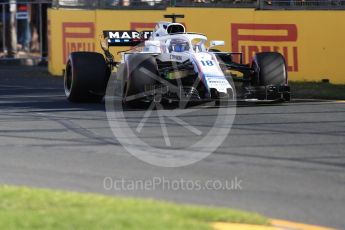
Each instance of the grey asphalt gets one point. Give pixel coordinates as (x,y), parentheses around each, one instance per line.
(289,158)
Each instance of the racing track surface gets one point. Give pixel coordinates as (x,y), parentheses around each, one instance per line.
(290,157)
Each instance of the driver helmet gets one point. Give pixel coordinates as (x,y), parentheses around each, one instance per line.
(178,46)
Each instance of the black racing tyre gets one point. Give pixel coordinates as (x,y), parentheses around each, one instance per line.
(86,77)
(270,69)
(142,72)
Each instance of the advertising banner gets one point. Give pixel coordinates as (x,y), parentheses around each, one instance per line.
(311,41)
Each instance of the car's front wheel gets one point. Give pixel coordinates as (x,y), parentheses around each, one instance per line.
(141,75)
(271,72)
(271,69)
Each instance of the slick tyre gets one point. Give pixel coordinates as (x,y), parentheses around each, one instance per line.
(142,74)
(86,77)
(270,69)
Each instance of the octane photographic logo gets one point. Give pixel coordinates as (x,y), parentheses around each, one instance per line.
(161,132)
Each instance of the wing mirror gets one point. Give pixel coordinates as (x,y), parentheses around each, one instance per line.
(216,43)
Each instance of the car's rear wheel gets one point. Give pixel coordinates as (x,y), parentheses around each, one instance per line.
(86,77)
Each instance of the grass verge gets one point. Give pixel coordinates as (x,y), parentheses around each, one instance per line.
(317,90)
(27,208)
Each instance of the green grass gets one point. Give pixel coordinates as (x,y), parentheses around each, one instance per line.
(317,90)
(26,208)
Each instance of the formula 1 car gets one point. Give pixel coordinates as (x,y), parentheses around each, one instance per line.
(169,64)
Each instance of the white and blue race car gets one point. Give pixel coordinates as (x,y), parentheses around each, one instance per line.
(169,64)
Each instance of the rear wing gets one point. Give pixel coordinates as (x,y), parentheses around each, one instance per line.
(125,37)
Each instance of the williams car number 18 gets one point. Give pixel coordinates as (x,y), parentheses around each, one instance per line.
(173,59)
